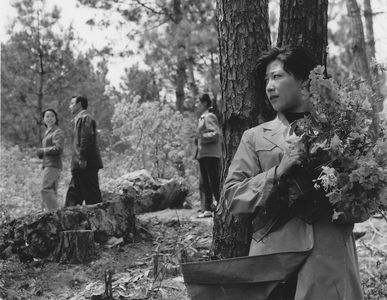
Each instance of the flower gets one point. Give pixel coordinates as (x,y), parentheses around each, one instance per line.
(343,145)
(327,178)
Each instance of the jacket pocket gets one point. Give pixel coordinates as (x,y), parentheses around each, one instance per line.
(265,147)
(269,155)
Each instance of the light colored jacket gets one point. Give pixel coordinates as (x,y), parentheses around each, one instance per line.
(331,270)
(53,142)
(209,136)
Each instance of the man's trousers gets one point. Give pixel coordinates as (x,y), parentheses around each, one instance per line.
(84,185)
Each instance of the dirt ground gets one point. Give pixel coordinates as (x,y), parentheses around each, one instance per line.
(145,269)
(149,267)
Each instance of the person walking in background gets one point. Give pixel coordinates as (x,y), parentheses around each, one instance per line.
(208,154)
(86,158)
(51,152)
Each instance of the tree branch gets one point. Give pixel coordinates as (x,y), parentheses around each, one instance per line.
(164,11)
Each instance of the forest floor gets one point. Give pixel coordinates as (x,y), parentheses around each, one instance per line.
(148,268)
(145,269)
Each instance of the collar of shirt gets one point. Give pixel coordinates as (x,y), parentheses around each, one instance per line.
(79,114)
(204,114)
(48,130)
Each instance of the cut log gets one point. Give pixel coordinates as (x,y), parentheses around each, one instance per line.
(75,246)
(38,236)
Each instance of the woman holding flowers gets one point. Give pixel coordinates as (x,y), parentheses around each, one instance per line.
(271,179)
(51,152)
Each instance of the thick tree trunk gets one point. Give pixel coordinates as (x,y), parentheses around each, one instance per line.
(41,83)
(360,65)
(214,84)
(192,81)
(243,31)
(181,76)
(304,23)
(75,246)
(378,79)
(369,27)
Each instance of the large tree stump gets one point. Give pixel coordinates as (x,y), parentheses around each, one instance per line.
(75,246)
(38,235)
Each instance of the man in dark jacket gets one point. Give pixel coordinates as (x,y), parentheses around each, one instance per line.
(86,159)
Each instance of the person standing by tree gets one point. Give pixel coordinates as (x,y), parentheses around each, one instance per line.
(86,158)
(259,183)
(51,152)
(208,155)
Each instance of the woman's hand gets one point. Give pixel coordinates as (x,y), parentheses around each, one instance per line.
(295,156)
(40,153)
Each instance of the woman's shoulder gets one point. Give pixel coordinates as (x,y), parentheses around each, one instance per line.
(210,115)
(58,131)
(254,130)
(255,135)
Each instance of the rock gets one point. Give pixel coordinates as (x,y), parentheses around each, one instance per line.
(113,241)
(38,236)
(187,205)
(152,194)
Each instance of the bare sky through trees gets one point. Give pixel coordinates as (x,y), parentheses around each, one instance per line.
(99,37)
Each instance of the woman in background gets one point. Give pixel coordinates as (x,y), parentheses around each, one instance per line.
(51,152)
(209,152)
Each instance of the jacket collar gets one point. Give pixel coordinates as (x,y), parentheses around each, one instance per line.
(204,114)
(275,130)
(80,114)
(52,129)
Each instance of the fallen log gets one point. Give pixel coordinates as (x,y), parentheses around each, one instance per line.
(152,194)
(38,236)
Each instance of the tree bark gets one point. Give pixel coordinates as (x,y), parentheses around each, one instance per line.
(243,32)
(192,81)
(360,66)
(75,246)
(181,76)
(304,23)
(369,27)
(41,83)
(378,79)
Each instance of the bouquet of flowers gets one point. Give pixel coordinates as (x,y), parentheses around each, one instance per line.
(347,148)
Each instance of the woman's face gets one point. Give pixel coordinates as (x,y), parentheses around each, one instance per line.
(201,108)
(283,90)
(49,118)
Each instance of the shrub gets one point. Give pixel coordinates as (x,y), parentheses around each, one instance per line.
(157,137)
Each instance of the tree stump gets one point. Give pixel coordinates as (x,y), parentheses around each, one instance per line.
(75,246)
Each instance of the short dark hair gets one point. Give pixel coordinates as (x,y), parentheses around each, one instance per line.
(53,111)
(205,99)
(83,100)
(296,61)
